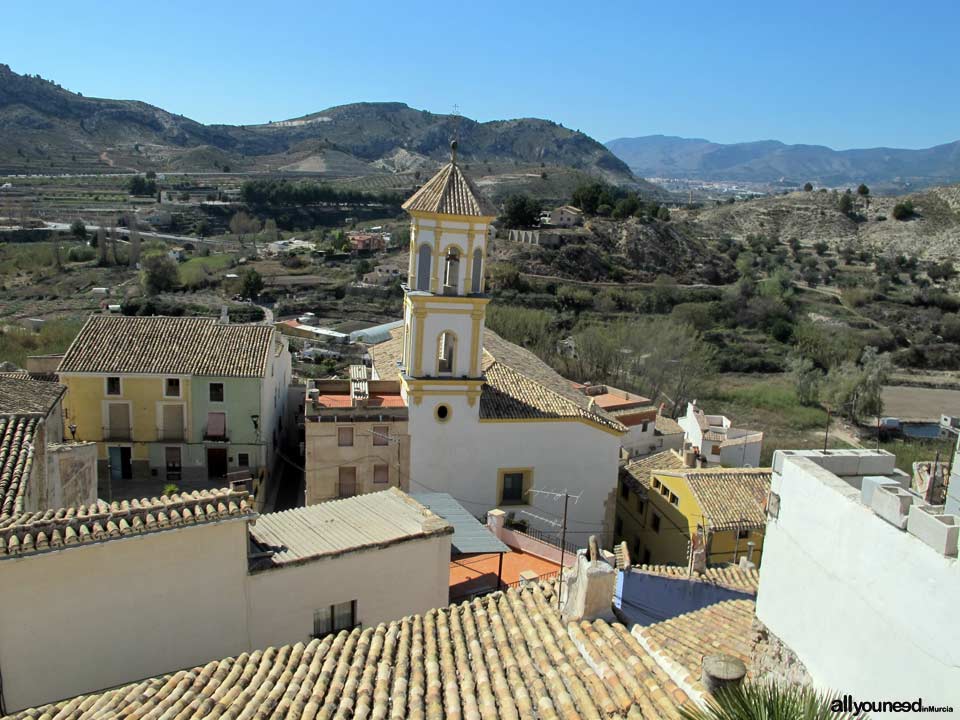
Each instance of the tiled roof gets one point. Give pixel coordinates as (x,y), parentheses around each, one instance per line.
(16,461)
(519,385)
(730,497)
(729,576)
(333,528)
(637,472)
(722,628)
(168,345)
(20,395)
(450,192)
(505,655)
(56,529)
(667,426)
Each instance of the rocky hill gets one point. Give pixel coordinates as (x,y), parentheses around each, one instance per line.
(46,128)
(770,161)
(933,231)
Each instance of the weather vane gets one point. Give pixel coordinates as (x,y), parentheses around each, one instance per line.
(456,133)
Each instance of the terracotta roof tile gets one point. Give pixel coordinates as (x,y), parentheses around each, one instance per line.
(667,426)
(722,628)
(23,395)
(729,576)
(450,192)
(730,497)
(50,530)
(505,655)
(169,345)
(636,473)
(17,435)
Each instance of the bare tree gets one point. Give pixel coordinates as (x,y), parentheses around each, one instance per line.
(241,224)
(134,237)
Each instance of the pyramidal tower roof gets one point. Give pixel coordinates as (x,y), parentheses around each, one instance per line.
(450,192)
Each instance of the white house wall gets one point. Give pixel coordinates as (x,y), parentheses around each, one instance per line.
(387,583)
(104,614)
(881,622)
(463,456)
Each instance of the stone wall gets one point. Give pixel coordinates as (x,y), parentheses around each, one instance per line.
(772,661)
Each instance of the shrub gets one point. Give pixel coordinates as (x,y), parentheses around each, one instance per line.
(81,253)
(903,210)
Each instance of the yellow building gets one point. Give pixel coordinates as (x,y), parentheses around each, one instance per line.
(665,503)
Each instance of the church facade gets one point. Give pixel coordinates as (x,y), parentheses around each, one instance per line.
(489,422)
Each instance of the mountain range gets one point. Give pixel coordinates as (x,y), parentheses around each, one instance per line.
(770,161)
(48,129)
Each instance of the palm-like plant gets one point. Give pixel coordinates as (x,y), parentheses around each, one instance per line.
(766,701)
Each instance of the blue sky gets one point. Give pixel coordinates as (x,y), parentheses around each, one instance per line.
(843,74)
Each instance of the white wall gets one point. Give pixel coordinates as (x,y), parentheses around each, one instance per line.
(99,615)
(387,583)
(869,609)
(462,457)
(746,455)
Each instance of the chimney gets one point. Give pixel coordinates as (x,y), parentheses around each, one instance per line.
(224,315)
(589,586)
(689,457)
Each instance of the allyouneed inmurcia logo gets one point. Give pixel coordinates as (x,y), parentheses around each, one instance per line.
(846,704)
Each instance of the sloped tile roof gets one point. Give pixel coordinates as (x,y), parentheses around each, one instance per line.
(729,576)
(17,436)
(667,426)
(722,628)
(519,385)
(51,530)
(637,472)
(341,526)
(506,655)
(450,192)
(23,395)
(730,497)
(168,345)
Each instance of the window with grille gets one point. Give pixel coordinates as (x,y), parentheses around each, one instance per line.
(381,474)
(216,392)
(171,387)
(345,437)
(347,481)
(113,386)
(381,435)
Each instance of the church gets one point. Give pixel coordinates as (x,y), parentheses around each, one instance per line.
(489,422)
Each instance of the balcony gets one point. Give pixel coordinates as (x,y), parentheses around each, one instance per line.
(174,434)
(117,433)
(218,434)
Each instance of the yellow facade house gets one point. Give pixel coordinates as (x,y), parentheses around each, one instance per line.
(666,504)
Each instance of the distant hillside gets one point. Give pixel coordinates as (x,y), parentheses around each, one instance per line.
(933,232)
(47,129)
(770,161)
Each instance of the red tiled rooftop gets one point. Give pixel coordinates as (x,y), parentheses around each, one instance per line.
(472,573)
(342,400)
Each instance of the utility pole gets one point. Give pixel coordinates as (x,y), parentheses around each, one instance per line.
(826,432)
(563,525)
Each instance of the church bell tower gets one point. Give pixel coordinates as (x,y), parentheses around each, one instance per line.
(444,302)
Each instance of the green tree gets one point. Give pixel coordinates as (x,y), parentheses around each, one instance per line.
(808,187)
(159,273)
(663,213)
(821,246)
(78,229)
(519,211)
(846,203)
(863,190)
(855,390)
(807,379)
(251,284)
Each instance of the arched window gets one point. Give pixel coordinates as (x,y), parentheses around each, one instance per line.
(477,270)
(451,272)
(424,258)
(446,351)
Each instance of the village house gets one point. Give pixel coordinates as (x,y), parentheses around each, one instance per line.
(367,241)
(173,399)
(489,422)
(565,216)
(717,441)
(107,594)
(38,469)
(356,437)
(648,430)
(672,511)
(845,528)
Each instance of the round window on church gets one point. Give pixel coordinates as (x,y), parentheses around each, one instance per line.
(442,412)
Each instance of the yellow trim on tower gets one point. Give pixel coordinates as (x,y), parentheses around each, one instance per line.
(419,316)
(477,316)
(468,219)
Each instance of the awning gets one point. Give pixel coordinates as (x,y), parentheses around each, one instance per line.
(470,536)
